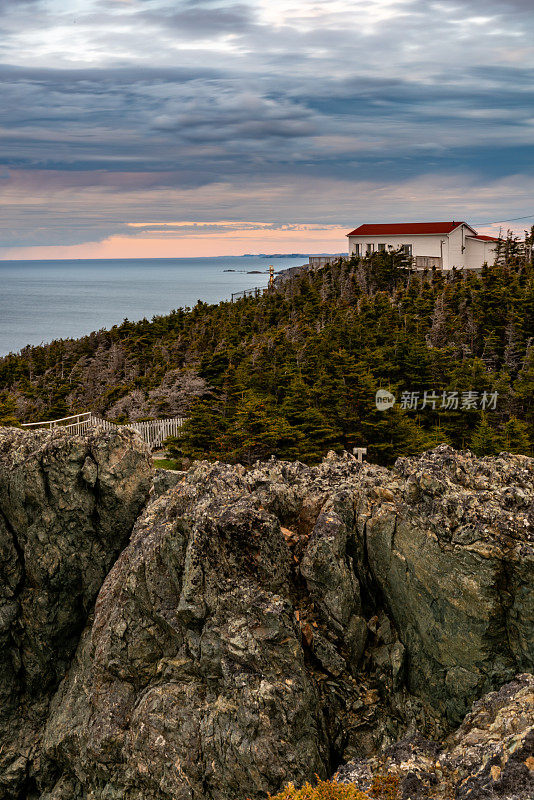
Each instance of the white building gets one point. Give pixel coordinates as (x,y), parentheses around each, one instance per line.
(442,245)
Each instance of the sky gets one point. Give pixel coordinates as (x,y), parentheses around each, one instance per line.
(211,127)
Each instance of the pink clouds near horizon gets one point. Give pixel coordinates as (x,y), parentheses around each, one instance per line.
(205,240)
(169,244)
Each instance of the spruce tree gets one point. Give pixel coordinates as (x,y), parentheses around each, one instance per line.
(524,388)
(318,435)
(201,435)
(515,438)
(484,441)
(258,431)
(8,411)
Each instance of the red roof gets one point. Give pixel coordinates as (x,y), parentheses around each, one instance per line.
(484,238)
(407,228)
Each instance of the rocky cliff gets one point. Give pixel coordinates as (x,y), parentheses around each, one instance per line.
(260,626)
(67,508)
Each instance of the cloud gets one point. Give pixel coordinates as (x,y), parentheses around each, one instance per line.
(234,118)
(202,20)
(109,106)
(14,5)
(86,209)
(487,7)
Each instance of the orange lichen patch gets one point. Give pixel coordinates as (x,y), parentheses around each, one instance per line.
(495,772)
(530,763)
(323,790)
(290,536)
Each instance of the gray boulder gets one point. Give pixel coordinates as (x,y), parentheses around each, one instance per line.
(452,551)
(67,507)
(193,663)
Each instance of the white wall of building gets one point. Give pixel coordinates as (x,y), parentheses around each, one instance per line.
(480,252)
(457,248)
(421,245)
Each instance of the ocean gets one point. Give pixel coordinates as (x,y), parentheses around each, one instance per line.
(45,300)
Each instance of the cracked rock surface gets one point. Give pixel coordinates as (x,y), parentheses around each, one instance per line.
(257,627)
(489,757)
(67,507)
(265,626)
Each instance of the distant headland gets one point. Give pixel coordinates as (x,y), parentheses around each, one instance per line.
(285,255)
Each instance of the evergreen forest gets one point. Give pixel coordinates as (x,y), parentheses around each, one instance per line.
(295,372)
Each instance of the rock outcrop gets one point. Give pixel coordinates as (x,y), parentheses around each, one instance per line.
(260,626)
(194,661)
(67,508)
(263,626)
(453,554)
(489,757)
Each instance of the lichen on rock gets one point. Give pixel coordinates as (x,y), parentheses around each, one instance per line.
(262,626)
(489,757)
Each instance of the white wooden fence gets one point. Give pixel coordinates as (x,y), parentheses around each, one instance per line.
(153,432)
(78,423)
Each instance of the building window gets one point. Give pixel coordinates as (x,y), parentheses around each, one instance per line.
(357,250)
(381,248)
(407,249)
(370,248)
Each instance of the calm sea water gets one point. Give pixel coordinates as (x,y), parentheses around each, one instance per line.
(45,300)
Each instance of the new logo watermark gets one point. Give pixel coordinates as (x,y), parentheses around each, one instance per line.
(384,400)
(438,401)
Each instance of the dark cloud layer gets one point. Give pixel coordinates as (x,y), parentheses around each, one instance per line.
(486,7)
(10,5)
(203,20)
(173,97)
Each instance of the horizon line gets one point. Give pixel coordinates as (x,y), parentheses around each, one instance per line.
(177,258)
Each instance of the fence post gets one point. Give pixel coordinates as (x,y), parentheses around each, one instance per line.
(360,452)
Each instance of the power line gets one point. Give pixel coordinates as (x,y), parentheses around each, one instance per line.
(498,221)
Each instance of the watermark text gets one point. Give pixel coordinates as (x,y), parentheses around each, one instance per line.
(430,399)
